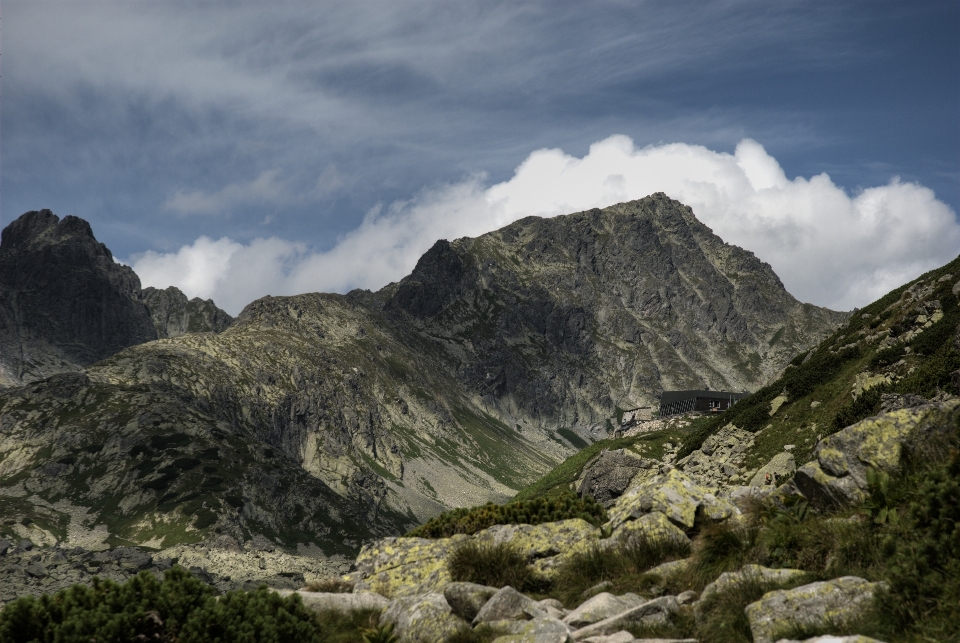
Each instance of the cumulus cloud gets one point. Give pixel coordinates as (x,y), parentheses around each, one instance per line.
(829,247)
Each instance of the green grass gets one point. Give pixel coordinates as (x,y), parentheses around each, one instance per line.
(559,480)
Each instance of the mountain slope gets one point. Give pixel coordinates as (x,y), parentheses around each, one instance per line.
(372,411)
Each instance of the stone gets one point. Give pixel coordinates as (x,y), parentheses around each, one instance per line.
(36,570)
(895,402)
(424,617)
(546,545)
(607,476)
(507,604)
(397,567)
(340,602)
(781,466)
(829,638)
(5,546)
(650,527)
(838,475)
(687,597)
(673,494)
(174,315)
(728,581)
(539,630)
(466,599)
(655,612)
(622,636)
(671,568)
(832,603)
(599,607)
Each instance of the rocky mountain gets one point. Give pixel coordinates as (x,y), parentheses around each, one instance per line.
(322,420)
(174,315)
(66,304)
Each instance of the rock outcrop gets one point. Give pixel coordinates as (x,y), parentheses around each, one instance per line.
(64,302)
(174,315)
(838,476)
(833,603)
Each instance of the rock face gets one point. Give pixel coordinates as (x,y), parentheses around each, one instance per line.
(460,384)
(64,302)
(607,477)
(174,315)
(838,476)
(829,604)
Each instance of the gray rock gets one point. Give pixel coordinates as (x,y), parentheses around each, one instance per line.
(538,630)
(655,612)
(687,597)
(780,467)
(426,617)
(36,570)
(509,604)
(599,607)
(5,546)
(608,475)
(831,603)
(895,402)
(342,603)
(174,315)
(747,574)
(838,475)
(466,599)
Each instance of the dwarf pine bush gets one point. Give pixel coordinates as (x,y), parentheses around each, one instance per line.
(179,608)
(530,512)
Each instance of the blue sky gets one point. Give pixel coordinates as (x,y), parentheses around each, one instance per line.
(189,132)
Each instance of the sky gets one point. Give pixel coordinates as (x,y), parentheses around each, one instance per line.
(242,149)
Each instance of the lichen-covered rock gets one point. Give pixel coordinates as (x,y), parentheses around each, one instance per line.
(426,617)
(653,526)
(545,545)
(783,465)
(747,574)
(509,605)
(838,475)
(831,603)
(539,630)
(466,599)
(601,606)
(397,567)
(655,612)
(671,568)
(719,459)
(673,494)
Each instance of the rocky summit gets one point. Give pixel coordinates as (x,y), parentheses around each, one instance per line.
(322,420)
(65,303)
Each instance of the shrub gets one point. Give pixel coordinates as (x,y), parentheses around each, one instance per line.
(488,564)
(863,406)
(180,608)
(624,566)
(532,512)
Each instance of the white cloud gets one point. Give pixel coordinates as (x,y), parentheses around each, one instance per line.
(265,188)
(828,247)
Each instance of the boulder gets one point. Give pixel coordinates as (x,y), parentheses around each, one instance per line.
(829,638)
(341,603)
(608,476)
(832,603)
(466,599)
(655,612)
(397,567)
(783,465)
(653,526)
(838,475)
(671,568)
(426,617)
(545,545)
(509,605)
(601,606)
(747,574)
(539,630)
(674,494)
(622,636)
